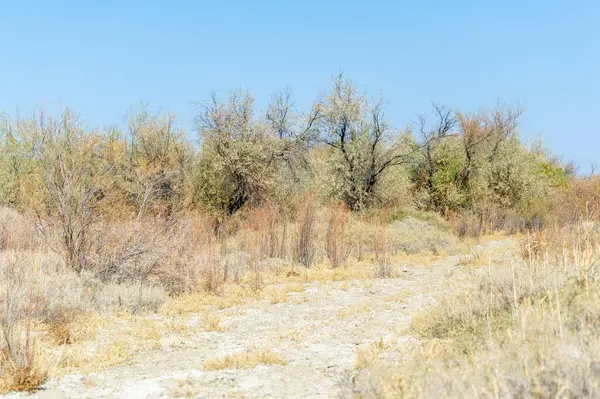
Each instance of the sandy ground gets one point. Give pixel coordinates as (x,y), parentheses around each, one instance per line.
(318,333)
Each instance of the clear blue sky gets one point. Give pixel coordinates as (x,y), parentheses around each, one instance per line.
(101,59)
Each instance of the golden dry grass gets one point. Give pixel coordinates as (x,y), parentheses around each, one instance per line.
(186,388)
(296,336)
(212,322)
(366,357)
(370,354)
(244,360)
(400,296)
(279,293)
(103,341)
(18,378)
(199,302)
(89,324)
(231,296)
(355,310)
(514,329)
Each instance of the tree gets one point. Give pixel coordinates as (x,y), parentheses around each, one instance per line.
(428,162)
(70,180)
(364,145)
(159,157)
(241,156)
(457,172)
(483,136)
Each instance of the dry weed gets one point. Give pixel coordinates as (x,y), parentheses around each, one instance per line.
(245,360)
(519,329)
(20,365)
(336,238)
(212,322)
(382,250)
(305,240)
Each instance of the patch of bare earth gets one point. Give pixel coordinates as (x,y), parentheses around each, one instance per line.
(303,347)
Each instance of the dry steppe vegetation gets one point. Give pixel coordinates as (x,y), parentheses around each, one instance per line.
(325,248)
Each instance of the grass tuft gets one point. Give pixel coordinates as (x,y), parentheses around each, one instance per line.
(244,360)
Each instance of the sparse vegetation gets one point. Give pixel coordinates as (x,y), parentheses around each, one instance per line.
(336,238)
(212,322)
(245,360)
(521,328)
(20,367)
(133,231)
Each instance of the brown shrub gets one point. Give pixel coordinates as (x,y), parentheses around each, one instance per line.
(382,250)
(271,225)
(337,247)
(466,224)
(305,248)
(523,328)
(213,275)
(19,368)
(17,231)
(579,201)
(21,378)
(59,328)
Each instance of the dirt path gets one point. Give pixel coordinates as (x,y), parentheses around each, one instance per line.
(317,332)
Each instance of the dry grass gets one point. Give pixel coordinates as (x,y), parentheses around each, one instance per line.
(370,354)
(245,360)
(21,366)
(382,249)
(200,302)
(186,388)
(232,295)
(59,332)
(581,200)
(212,322)
(400,296)
(21,378)
(137,292)
(272,227)
(365,358)
(296,336)
(305,247)
(479,256)
(524,328)
(336,238)
(279,293)
(353,311)
(17,232)
(421,235)
(104,341)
